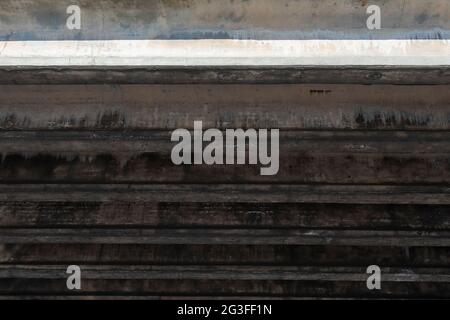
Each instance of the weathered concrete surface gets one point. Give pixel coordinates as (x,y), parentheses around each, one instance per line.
(364,175)
(167,107)
(224,19)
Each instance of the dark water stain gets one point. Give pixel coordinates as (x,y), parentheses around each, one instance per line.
(111,120)
(421,18)
(51,19)
(179,4)
(319,92)
(48,167)
(196,35)
(148,161)
(9,121)
(41,166)
(380,120)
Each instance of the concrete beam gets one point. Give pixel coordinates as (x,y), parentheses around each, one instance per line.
(226,53)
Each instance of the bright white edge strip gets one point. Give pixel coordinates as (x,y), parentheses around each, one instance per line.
(225,53)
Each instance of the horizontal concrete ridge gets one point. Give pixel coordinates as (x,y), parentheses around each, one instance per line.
(226,53)
(224,19)
(242,75)
(244,193)
(302,273)
(227,236)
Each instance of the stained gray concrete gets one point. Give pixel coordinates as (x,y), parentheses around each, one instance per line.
(224,19)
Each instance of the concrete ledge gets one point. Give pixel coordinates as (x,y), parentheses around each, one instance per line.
(404,75)
(226,53)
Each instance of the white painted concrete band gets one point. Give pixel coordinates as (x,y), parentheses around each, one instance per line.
(225,53)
